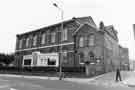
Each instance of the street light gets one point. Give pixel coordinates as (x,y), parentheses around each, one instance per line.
(60,52)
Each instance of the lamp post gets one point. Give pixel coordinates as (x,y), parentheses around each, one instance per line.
(60,52)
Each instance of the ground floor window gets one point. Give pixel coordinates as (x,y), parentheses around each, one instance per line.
(27,62)
(92,58)
(51,61)
(43,61)
(48,59)
(81,58)
(64,55)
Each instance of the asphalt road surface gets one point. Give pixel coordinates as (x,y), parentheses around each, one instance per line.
(20,83)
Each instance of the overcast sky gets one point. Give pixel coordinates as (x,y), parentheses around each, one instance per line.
(19,16)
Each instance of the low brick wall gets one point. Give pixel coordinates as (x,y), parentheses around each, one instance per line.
(44,71)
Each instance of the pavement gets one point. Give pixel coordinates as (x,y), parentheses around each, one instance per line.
(106,81)
(130,81)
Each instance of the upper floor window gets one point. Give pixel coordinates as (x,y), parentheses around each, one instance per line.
(20,43)
(64,34)
(81,42)
(27,42)
(53,34)
(34,40)
(43,38)
(91,40)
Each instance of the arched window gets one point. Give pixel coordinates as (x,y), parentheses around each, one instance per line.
(91,40)
(43,38)
(53,36)
(81,42)
(35,40)
(20,43)
(27,42)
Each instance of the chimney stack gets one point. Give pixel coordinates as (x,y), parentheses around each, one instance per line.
(101,25)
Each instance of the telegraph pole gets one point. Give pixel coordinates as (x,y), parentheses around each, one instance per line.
(60,51)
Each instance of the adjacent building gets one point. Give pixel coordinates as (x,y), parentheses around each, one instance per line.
(124,58)
(82,41)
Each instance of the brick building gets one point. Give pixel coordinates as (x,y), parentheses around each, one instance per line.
(82,41)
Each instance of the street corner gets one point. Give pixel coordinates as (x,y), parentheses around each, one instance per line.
(130,82)
(107,83)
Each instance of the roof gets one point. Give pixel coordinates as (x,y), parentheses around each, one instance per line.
(111,27)
(123,48)
(82,25)
(86,19)
(53,25)
(111,31)
(79,20)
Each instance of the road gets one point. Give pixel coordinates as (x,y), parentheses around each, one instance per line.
(21,83)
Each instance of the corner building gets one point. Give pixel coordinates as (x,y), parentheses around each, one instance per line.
(81,41)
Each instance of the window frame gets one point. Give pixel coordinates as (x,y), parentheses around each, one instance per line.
(25,57)
(81,41)
(65,55)
(53,37)
(43,39)
(27,42)
(35,40)
(27,60)
(64,34)
(20,43)
(81,58)
(91,40)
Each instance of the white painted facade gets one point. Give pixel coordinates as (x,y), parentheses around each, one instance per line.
(43,59)
(40,59)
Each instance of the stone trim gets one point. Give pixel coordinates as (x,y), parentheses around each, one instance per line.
(45,46)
